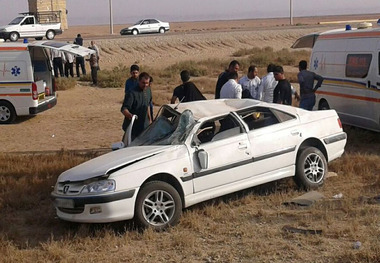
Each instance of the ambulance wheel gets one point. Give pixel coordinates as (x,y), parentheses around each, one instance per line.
(324,105)
(7,112)
(13,36)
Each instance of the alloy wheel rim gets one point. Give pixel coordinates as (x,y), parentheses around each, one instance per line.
(314,168)
(158,208)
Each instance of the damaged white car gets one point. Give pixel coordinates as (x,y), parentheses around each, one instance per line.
(197,151)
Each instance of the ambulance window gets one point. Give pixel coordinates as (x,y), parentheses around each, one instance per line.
(357,65)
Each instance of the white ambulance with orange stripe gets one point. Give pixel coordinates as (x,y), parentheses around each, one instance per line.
(349,61)
(27,84)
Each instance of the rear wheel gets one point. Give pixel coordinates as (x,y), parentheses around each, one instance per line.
(14,36)
(158,205)
(135,32)
(311,168)
(162,30)
(7,112)
(50,34)
(324,105)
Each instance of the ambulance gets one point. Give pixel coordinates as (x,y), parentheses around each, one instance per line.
(27,83)
(349,61)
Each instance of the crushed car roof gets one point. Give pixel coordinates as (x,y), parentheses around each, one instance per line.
(208,108)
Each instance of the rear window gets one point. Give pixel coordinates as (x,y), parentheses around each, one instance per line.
(357,65)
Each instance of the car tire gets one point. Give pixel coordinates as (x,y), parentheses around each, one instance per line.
(14,36)
(311,168)
(38,38)
(7,112)
(158,205)
(50,34)
(324,105)
(135,32)
(161,30)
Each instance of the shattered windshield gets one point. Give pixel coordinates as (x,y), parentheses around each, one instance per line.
(169,128)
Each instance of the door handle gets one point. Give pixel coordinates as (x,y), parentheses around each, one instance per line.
(242,145)
(294,133)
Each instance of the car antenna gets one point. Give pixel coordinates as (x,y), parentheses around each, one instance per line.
(176,107)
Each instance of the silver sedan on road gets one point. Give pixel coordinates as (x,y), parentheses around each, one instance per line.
(146,26)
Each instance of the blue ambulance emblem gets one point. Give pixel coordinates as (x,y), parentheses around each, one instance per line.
(16,71)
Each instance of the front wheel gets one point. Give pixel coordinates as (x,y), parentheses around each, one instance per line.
(13,36)
(7,113)
(50,34)
(135,32)
(158,205)
(162,30)
(311,168)
(324,105)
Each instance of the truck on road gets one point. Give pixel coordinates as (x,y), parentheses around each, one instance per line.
(28,25)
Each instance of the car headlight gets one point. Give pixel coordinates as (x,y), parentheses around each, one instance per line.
(99,187)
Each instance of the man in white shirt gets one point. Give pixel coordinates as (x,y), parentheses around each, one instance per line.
(250,83)
(58,58)
(268,83)
(231,89)
(69,64)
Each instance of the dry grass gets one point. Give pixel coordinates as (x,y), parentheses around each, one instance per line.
(65,83)
(242,227)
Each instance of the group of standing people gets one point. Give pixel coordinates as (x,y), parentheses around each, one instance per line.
(272,88)
(63,62)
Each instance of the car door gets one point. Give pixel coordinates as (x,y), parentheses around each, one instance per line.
(27,27)
(154,25)
(274,136)
(145,26)
(228,153)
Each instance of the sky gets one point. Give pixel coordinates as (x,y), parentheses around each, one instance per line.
(96,12)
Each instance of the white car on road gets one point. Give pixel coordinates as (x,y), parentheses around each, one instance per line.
(197,151)
(146,26)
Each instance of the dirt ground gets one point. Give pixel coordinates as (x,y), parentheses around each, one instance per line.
(89,117)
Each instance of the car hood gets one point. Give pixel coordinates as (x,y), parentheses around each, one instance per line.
(109,162)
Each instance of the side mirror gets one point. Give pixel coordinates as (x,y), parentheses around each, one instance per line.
(203,159)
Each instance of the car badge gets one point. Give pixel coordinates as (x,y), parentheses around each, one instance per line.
(66,189)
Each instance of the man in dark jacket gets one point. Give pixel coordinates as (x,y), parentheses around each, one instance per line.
(282,94)
(136,102)
(187,91)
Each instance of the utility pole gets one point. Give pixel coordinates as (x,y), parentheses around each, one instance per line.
(111,18)
(291,12)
